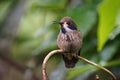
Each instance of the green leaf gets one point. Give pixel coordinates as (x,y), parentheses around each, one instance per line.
(108,12)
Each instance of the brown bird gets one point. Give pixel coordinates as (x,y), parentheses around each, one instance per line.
(69,40)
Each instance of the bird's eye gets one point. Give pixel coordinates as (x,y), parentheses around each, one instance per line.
(68,23)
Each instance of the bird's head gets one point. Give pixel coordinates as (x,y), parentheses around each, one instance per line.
(66,24)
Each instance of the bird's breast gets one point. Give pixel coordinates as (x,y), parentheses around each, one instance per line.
(70,42)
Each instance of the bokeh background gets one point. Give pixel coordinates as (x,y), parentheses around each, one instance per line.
(27,35)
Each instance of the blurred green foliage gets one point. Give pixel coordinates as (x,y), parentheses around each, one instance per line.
(99,22)
(108,12)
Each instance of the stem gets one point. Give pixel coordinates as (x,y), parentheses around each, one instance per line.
(45,77)
(98,66)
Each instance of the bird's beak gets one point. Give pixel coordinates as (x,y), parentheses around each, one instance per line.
(56,22)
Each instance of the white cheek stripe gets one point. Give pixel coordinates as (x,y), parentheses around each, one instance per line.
(65,25)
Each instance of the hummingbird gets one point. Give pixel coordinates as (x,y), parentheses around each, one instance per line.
(69,40)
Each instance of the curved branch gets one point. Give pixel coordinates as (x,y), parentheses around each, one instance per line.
(45,77)
(98,66)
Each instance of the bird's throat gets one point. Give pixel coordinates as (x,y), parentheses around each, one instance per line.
(63,30)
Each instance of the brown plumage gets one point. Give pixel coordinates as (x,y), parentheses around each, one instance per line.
(69,40)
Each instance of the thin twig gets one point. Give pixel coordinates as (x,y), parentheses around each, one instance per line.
(98,66)
(45,77)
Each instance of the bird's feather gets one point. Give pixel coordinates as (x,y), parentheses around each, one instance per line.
(69,40)
(71,43)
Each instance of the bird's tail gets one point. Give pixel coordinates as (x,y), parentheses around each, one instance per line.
(70,62)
